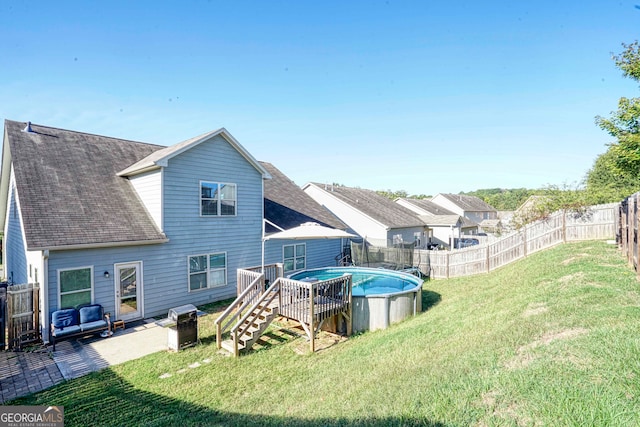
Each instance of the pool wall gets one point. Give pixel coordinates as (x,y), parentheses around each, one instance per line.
(373,312)
(376,311)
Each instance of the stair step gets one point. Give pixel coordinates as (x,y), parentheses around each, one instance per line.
(228,345)
(255,327)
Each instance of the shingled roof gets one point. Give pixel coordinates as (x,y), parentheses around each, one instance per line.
(372,204)
(469,203)
(69,191)
(287,206)
(429,206)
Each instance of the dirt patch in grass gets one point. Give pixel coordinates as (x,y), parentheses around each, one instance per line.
(535,309)
(503,410)
(574,258)
(324,341)
(524,355)
(571,278)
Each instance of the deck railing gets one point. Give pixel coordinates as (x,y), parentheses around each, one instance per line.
(253,286)
(265,300)
(251,283)
(271,273)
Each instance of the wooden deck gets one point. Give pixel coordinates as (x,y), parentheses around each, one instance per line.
(309,303)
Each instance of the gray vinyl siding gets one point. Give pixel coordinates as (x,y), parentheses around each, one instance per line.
(189,233)
(165,266)
(148,186)
(15,268)
(320,252)
(406,233)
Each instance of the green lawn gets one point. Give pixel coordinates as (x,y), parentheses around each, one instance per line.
(552,340)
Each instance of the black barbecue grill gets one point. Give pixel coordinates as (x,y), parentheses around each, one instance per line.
(183,327)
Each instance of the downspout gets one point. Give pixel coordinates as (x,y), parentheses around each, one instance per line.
(44,290)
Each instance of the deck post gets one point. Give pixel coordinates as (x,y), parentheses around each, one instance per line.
(312,328)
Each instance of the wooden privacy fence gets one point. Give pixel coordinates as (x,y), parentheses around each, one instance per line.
(627,229)
(21,315)
(596,222)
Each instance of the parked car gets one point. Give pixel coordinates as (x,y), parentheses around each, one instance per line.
(466,242)
(433,246)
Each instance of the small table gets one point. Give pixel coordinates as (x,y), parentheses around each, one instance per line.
(118,324)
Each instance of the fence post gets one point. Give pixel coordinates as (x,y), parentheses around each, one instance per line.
(636,240)
(564,226)
(627,246)
(447,263)
(488,259)
(524,241)
(630,226)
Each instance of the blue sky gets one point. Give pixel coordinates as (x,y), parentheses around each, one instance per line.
(421,96)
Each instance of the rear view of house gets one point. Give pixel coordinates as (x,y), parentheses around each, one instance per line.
(138,228)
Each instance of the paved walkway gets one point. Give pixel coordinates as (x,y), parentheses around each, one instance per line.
(23,373)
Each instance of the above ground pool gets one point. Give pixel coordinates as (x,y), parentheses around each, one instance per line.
(380,297)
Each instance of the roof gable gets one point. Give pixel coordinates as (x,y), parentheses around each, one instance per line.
(161,157)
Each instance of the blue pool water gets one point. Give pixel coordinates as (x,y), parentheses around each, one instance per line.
(366,281)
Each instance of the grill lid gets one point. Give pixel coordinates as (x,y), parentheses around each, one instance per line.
(182,312)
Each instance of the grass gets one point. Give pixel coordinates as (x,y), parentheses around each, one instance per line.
(550,340)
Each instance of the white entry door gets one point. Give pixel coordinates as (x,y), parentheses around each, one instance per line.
(128,291)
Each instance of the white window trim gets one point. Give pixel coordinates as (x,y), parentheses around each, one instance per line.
(90,267)
(208,271)
(219,215)
(294,256)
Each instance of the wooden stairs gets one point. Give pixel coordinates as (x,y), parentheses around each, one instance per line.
(251,329)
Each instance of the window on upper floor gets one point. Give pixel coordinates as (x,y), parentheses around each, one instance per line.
(75,287)
(294,257)
(207,271)
(218,199)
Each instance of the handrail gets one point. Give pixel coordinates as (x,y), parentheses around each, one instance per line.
(274,289)
(238,303)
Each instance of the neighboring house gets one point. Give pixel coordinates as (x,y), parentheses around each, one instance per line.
(136,227)
(470,207)
(443,225)
(377,219)
(286,206)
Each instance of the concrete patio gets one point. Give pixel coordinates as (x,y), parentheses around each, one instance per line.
(23,373)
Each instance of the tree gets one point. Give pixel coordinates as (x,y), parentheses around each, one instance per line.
(624,124)
(552,199)
(605,183)
(503,199)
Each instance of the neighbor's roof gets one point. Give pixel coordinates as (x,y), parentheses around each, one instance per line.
(447,220)
(429,206)
(287,206)
(490,223)
(372,204)
(69,191)
(469,203)
(441,220)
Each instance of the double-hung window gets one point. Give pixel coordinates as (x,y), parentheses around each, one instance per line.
(294,257)
(207,271)
(75,287)
(218,199)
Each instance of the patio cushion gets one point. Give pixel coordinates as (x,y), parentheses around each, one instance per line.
(64,318)
(91,313)
(68,330)
(90,326)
